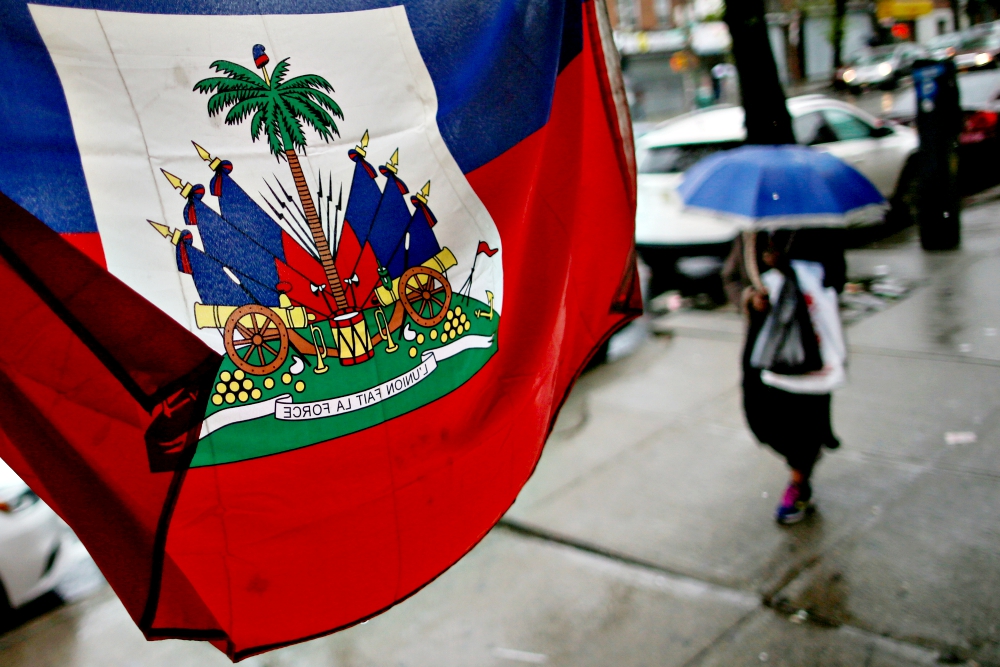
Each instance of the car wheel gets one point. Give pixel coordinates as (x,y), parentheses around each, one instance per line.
(891,83)
(903,205)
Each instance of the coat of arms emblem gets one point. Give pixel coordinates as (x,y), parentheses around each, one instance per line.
(338,307)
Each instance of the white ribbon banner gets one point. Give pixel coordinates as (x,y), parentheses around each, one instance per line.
(285,409)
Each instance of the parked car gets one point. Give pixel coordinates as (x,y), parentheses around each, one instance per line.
(666,234)
(978,51)
(979,141)
(36,547)
(881,67)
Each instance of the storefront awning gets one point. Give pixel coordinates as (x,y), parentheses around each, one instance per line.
(904,10)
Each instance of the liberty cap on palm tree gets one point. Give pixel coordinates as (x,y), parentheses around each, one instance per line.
(278,109)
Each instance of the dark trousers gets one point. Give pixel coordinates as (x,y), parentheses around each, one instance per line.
(794,425)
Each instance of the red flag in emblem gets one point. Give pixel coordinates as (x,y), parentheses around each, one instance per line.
(485,249)
(357,265)
(276,423)
(302,273)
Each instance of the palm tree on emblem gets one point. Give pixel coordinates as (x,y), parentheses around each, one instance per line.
(279,108)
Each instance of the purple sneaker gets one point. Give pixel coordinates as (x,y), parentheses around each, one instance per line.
(796,504)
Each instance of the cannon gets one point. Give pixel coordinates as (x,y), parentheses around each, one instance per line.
(426,293)
(257,338)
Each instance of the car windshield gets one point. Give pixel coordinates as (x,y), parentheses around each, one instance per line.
(677,159)
(944,41)
(873,58)
(983,43)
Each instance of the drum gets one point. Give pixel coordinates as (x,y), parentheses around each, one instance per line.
(353,342)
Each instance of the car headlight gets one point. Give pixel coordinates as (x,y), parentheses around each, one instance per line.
(885,69)
(850,75)
(983,58)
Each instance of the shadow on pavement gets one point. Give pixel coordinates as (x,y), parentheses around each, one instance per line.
(29,612)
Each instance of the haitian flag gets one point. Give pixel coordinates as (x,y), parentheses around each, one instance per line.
(292,299)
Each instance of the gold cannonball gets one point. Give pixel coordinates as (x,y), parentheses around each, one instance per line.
(451,314)
(243,396)
(286,378)
(434,334)
(230,398)
(447,325)
(268,383)
(255,394)
(217,399)
(234,386)
(468,325)
(420,339)
(300,386)
(248,384)
(238,375)
(221,387)
(413,351)
(444,338)
(463,319)
(458,310)
(224,376)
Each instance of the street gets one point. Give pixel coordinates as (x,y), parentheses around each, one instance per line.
(646,537)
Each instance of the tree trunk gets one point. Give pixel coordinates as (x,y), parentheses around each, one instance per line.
(767,119)
(319,237)
(839,13)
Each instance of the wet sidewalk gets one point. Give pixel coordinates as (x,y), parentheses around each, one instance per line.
(645,536)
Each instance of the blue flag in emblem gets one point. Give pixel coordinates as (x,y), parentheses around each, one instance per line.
(391,220)
(363,199)
(422,244)
(213,285)
(249,261)
(243,213)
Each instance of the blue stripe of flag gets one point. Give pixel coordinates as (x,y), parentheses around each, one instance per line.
(493,63)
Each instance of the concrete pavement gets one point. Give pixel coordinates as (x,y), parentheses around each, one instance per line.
(645,536)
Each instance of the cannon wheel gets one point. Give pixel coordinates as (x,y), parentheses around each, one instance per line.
(256,339)
(425,294)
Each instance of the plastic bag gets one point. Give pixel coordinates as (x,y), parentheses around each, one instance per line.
(824,313)
(787,344)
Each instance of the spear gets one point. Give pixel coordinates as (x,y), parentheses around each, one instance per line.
(337,219)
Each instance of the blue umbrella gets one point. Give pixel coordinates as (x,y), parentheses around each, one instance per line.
(788,187)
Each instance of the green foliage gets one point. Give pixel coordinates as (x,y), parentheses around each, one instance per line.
(278,108)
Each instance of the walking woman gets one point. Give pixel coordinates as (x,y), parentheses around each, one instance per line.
(795,425)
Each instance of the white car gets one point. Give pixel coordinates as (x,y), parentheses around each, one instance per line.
(664,231)
(37,548)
